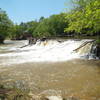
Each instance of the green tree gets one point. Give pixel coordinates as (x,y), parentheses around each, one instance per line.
(41,19)
(31,26)
(42,29)
(85,18)
(52,26)
(5,26)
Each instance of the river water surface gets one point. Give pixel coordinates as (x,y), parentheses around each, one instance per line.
(53,75)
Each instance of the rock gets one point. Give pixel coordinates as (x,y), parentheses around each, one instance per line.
(43,39)
(54,98)
(1,39)
(32,40)
(98,51)
(70,98)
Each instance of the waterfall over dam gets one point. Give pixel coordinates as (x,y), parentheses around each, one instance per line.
(51,69)
(16,52)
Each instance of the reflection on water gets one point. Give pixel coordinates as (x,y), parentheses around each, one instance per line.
(80,78)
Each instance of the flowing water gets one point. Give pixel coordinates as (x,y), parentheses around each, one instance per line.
(52,68)
(47,51)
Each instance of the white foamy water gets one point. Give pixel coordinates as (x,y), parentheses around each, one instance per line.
(47,51)
(54,98)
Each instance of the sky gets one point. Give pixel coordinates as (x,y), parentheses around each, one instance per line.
(28,10)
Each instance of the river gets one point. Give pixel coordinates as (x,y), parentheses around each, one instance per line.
(51,69)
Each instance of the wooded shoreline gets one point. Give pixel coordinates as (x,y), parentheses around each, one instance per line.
(82,20)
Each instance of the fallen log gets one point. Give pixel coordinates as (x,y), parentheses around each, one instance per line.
(24,46)
(85,43)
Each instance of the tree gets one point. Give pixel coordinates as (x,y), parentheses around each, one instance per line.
(42,29)
(5,25)
(32,26)
(85,18)
(41,19)
(52,26)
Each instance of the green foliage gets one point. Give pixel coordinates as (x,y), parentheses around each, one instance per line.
(41,19)
(52,26)
(85,18)
(42,29)
(5,25)
(31,26)
(23,30)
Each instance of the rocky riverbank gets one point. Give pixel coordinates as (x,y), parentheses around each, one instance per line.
(98,50)
(17,94)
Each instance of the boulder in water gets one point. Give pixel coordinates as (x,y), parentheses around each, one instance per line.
(98,50)
(1,39)
(32,40)
(54,98)
(43,39)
